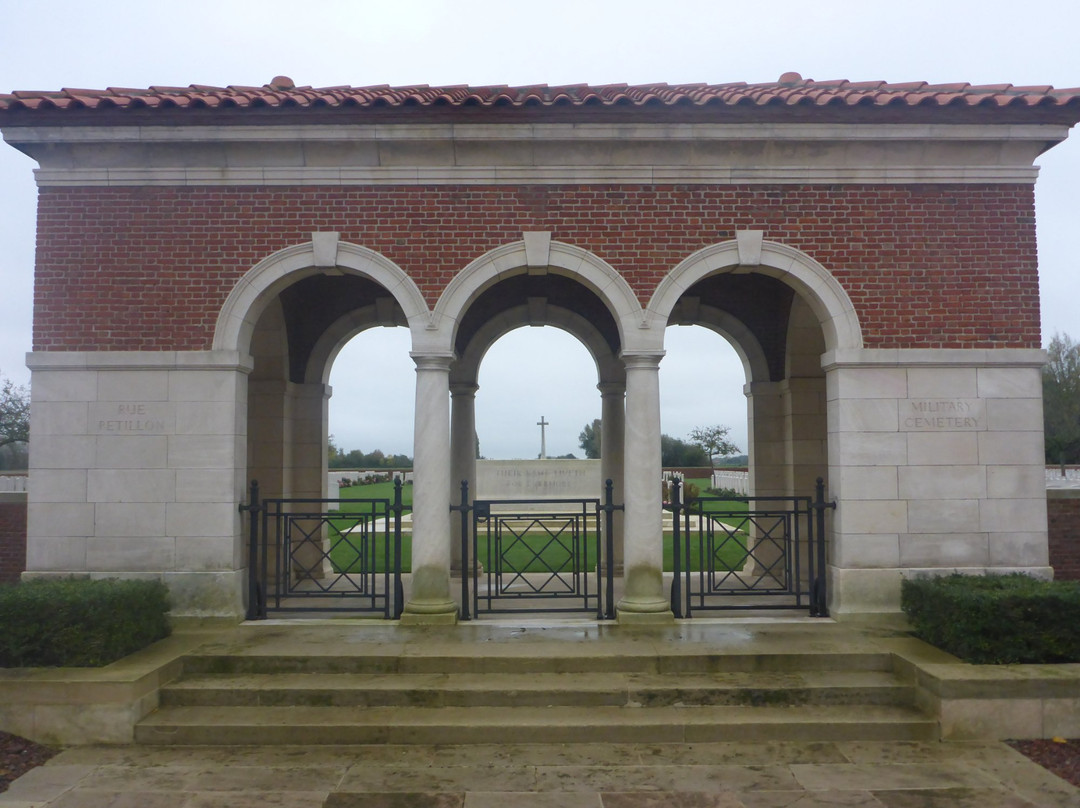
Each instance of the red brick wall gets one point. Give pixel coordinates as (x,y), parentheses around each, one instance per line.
(926,266)
(12,540)
(1063,522)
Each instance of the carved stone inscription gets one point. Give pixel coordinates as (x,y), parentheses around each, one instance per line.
(131,418)
(942,415)
(529,479)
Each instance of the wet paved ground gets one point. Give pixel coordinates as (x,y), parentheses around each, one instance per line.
(724,775)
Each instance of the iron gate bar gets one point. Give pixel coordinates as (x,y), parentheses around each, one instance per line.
(579,573)
(295,526)
(818,602)
(256,606)
(778,523)
(497,560)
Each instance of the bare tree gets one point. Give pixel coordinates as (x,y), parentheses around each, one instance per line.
(713,441)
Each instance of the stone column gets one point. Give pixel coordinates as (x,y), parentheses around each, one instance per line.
(643,599)
(306,409)
(769,447)
(612,436)
(768,439)
(430,600)
(463,452)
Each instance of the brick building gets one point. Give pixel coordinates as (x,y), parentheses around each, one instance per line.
(869,250)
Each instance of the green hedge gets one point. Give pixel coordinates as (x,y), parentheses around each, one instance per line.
(70,622)
(996,619)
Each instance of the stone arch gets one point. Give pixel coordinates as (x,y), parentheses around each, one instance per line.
(341,331)
(467,366)
(732,329)
(824,294)
(555,257)
(323,254)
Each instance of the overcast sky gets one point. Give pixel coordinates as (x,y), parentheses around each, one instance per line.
(533,371)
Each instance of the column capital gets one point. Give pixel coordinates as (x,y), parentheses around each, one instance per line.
(432,361)
(764,388)
(641,360)
(611,389)
(466,389)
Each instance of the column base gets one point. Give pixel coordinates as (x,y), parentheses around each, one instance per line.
(429,613)
(625,617)
(643,609)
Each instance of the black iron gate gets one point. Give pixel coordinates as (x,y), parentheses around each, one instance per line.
(537,555)
(748,552)
(323,555)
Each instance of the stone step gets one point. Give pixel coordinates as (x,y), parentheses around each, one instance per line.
(525,660)
(537,690)
(214,725)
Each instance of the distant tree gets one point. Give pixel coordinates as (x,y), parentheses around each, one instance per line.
(567,456)
(590,439)
(14,425)
(14,413)
(713,441)
(337,458)
(1061,400)
(733,460)
(676,452)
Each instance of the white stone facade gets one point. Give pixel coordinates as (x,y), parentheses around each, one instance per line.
(937,459)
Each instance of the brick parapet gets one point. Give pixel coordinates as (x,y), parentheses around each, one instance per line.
(926,266)
(12,537)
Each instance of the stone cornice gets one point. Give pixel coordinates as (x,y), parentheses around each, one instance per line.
(931,357)
(491,154)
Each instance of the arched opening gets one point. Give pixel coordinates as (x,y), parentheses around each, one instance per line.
(528,374)
(373,399)
(526,390)
(294,343)
(702,381)
(293,314)
(779,323)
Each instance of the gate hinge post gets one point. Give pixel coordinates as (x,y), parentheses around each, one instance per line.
(464,509)
(818,601)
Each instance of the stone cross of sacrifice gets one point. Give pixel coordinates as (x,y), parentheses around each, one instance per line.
(543,439)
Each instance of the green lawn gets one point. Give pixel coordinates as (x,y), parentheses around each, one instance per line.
(378,491)
(344,550)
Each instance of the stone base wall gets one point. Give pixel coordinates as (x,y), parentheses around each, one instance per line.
(1063,523)
(12,537)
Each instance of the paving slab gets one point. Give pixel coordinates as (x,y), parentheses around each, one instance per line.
(649,775)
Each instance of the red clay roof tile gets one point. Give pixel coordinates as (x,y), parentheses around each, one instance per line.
(790,90)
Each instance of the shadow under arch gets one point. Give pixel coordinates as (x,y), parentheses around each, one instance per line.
(513,259)
(822,292)
(240,313)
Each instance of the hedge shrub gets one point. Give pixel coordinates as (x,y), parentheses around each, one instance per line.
(71,622)
(996,619)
